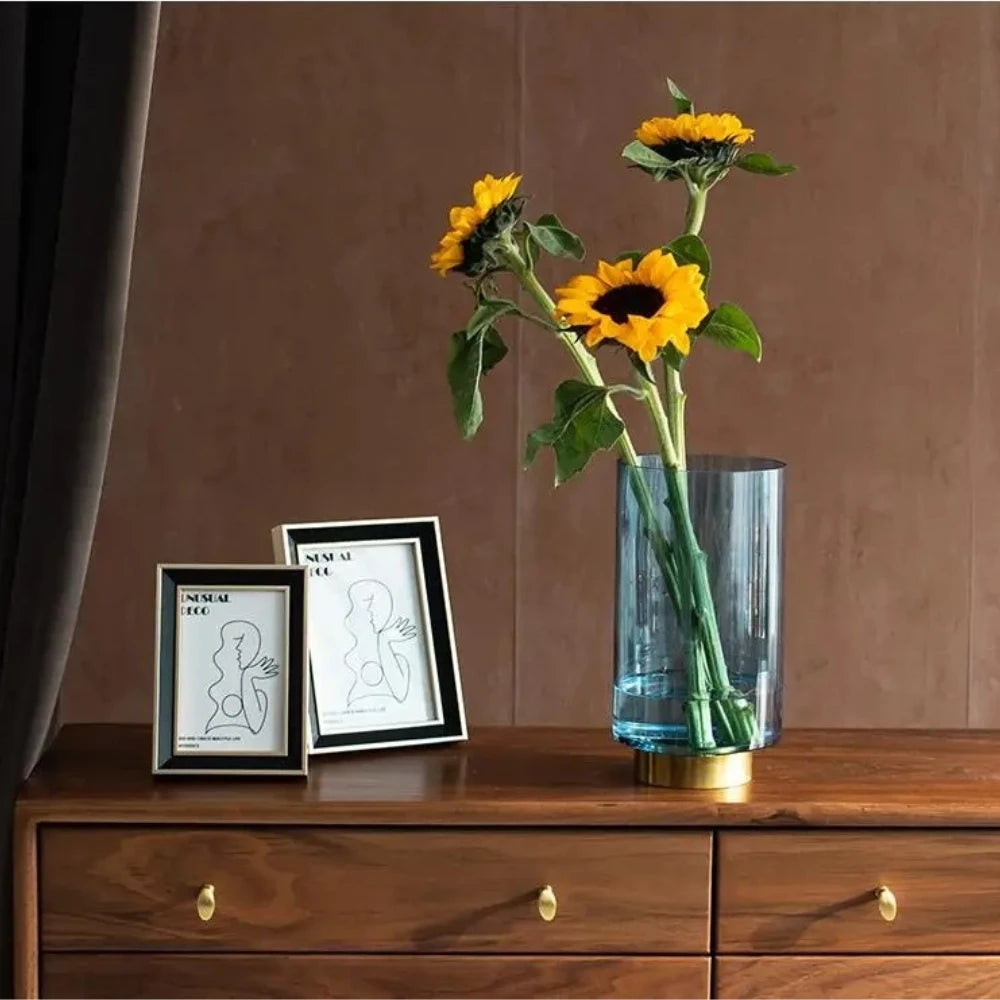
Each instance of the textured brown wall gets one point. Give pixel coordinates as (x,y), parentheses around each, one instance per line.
(286,342)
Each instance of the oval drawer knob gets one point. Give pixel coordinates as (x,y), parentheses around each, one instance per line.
(547,903)
(206,902)
(887,907)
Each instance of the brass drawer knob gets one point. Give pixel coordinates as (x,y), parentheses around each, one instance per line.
(547,903)
(206,902)
(887,907)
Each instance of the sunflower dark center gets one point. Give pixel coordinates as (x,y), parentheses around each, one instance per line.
(630,300)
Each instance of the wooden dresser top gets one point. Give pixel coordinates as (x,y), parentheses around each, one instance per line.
(536,777)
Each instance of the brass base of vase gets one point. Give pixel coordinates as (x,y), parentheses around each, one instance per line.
(673,771)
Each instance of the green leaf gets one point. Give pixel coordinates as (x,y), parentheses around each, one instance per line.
(583,424)
(642,156)
(633,255)
(729,325)
(764,163)
(494,349)
(530,250)
(554,238)
(651,162)
(691,249)
(472,355)
(488,311)
(682,102)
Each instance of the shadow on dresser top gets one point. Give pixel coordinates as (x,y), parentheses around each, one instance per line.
(536,777)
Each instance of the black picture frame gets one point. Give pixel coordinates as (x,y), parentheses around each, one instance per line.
(426,532)
(172,581)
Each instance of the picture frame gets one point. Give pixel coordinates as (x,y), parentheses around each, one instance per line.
(231,670)
(383,666)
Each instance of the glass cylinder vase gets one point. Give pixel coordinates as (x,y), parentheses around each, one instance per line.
(699,675)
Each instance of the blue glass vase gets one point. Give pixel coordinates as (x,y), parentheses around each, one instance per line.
(693,676)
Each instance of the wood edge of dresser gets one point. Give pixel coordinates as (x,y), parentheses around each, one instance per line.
(25,915)
(656,813)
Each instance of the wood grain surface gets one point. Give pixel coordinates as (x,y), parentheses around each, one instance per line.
(784,891)
(137,977)
(117,888)
(538,777)
(893,977)
(25,908)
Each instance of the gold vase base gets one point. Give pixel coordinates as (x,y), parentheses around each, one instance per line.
(674,771)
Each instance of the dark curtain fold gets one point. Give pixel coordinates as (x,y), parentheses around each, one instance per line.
(74,96)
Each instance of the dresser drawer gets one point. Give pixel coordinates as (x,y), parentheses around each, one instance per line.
(784,891)
(108,888)
(137,977)
(888,976)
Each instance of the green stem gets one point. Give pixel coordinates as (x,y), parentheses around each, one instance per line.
(697,197)
(675,412)
(693,220)
(661,423)
(737,710)
(691,605)
(704,656)
(736,714)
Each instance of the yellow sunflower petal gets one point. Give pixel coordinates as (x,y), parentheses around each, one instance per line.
(685,299)
(644,270)
(612,274)
(492,191)
(608,328)
(446,258)
(682,342)
(594,336)
(663,329)
(582,286)
(509,186)
(463,220)
(647,349)
(577,311)
(662,271)
(482,194)
(651,131)
(724,127)
(638,328)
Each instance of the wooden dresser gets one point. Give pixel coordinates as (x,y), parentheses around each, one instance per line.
(423,873)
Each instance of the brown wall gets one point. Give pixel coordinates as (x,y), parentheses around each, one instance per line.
(286,342)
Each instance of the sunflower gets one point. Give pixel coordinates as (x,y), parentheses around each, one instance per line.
(693,128)
(496,209)
(643,306)
(704,140)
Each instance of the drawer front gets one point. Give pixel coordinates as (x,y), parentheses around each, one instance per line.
(890,976)
(136,977)
(783,891)
(322,890)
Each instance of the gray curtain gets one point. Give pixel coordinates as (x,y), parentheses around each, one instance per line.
(74,95)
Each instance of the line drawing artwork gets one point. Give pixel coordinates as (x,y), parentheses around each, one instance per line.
(239,700)
(379,670)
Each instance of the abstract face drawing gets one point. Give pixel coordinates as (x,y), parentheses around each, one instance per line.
(378,669)
(235,693)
